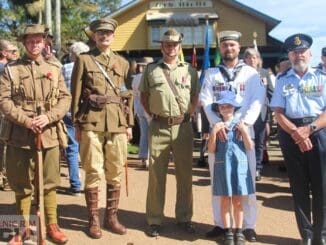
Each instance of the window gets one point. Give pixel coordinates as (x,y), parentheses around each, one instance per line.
(191,34)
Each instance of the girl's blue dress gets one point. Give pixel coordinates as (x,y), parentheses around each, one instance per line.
(232,175)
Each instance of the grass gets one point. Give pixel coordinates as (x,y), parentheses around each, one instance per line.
(133,149)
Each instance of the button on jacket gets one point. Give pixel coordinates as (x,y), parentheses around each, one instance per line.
(162,101)
(87,74)
(24,86)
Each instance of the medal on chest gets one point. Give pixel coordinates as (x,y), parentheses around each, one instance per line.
(311,89)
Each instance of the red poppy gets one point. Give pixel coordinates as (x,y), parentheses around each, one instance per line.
(48,75)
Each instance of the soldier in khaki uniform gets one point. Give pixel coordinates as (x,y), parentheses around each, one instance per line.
(103,127)
(170,130)
(25,85)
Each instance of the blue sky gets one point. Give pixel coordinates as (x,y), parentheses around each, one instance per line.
(307,17)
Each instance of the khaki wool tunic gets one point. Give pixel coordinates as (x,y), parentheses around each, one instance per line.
(87,74)
(25,85)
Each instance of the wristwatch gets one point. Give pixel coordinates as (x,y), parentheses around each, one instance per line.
(313,127)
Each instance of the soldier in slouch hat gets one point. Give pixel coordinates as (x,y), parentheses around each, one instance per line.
(27,84)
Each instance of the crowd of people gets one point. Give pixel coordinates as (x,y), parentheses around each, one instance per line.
(88,107)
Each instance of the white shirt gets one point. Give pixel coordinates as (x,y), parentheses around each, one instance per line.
(250,93)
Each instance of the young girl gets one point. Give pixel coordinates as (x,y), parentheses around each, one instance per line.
(232,179)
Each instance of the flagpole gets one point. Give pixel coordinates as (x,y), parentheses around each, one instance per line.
(206,62)
(254,34)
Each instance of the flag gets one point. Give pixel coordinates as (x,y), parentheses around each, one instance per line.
(206,62)
(217,56)
(194,57)
(181,56)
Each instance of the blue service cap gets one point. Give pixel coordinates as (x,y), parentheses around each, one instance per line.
(297,41)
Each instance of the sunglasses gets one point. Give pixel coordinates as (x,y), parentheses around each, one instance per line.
(12,51)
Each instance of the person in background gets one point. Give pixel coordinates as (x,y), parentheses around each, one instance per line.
(232,179)
(141,115)
(299,103)
(103,118)
(8,52)
(34,106)
(133,71)
(72,151)
(322,66)
(283,66)
(234,75)
(202,160)
(261,127)
(169,93)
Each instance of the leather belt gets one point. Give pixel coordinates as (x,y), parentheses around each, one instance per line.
(101,99)
(170,121)
(302,121)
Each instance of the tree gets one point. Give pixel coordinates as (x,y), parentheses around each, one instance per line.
(75,15)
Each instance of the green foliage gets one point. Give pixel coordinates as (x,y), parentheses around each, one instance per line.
(75,15)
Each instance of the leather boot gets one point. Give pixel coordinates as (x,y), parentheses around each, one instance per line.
(55,234)
(18,239)
(94,229)
(111,221)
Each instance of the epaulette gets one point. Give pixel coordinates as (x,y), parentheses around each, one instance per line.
(284,73)
(53,61)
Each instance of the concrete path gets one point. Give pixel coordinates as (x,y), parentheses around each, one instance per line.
(275,225)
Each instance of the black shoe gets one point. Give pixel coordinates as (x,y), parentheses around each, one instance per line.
(215,232)
(239,238)
(202,163)
(282,168)
(228,238)
(153,230)
(258,175)
(250,235)
(187,227)
(75,193)
(306,241)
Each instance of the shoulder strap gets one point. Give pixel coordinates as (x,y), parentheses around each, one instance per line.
(108,79)
(173,88)
(171,84)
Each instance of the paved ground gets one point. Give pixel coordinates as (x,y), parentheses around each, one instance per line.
(275,224)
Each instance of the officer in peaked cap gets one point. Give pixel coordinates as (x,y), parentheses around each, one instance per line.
(102,122)
(103,24)
(297,41)
(229,35)
(299,101)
